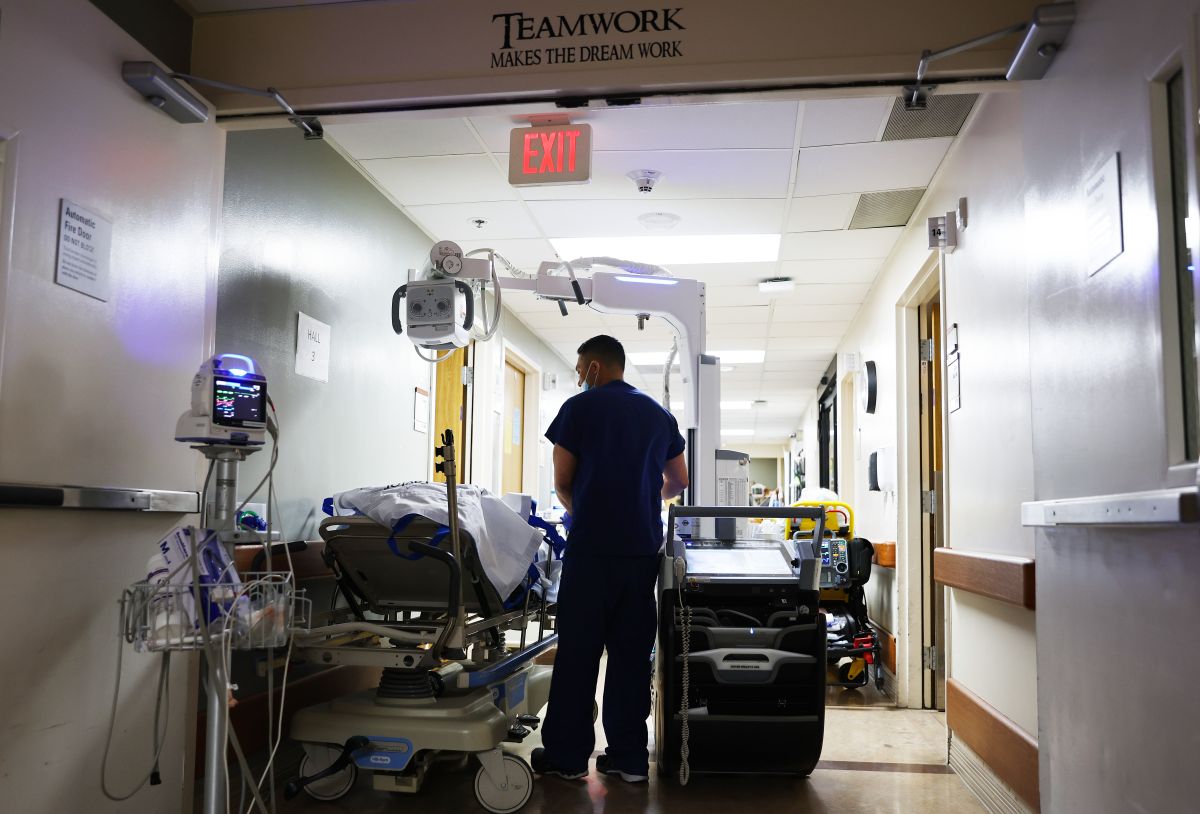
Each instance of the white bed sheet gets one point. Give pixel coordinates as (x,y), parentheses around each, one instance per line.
(506,543)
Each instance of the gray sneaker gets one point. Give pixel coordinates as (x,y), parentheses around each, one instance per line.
(604,766)
(539,764)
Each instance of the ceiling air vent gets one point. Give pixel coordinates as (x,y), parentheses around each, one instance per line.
(944,116)
(894,208)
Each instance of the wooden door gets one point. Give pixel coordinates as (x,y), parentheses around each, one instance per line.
(513,429)
(449,411)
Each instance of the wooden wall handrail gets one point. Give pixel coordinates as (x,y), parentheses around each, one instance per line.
(1007,749)
(999,576)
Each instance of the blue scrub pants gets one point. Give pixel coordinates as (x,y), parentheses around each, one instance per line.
(603,603)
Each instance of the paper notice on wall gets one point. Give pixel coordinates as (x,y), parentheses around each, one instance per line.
(84,249)
(420,410)
(312,348)
(1105,238)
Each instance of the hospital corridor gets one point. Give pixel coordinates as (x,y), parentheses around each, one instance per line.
(421,406)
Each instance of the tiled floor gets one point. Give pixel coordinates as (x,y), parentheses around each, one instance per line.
(876,758)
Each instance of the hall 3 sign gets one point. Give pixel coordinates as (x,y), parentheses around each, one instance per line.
(550,154)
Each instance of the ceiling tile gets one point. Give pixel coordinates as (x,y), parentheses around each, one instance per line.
(807,343)
(726,315)
(844,245)
(441,179)
(672,127)
(724,274)
(800,298)
(844,121)
(685,175)
(404,138)
(778,352)
(821,213)
(782,328)
(718,333)
(452,221)
(831,313)
(620,218)
(831,271)
(868,167)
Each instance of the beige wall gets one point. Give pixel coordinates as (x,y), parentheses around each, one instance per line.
(89,394)
(415,52)
(989,444)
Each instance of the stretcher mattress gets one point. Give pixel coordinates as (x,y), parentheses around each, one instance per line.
(506,544)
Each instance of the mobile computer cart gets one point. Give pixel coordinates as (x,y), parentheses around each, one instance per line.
(740,664)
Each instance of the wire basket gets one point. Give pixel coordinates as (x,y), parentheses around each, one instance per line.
(258,612)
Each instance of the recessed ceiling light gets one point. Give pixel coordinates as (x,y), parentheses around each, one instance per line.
(737,433)
(674,249)
(659,221)
(726,368)
(775,285)
(727,357)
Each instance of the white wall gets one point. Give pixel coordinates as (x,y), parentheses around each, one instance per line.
(989,451)
(1112,739)
(89,394)
(303,231)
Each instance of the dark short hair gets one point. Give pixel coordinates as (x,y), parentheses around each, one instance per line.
(605,349)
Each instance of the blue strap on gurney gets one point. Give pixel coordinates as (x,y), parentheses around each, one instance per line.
(441,534)
(557,543)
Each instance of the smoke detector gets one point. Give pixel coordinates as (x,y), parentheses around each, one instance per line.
(644,180)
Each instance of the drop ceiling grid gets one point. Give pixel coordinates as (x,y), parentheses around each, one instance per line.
(720,175)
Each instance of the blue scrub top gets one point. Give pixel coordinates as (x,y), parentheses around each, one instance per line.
(622,439)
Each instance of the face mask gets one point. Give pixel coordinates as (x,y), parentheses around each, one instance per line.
(586,386)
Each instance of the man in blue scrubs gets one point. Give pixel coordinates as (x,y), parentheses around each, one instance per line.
(617,455)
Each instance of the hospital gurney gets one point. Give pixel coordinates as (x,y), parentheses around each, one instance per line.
(421,607)
(853,642)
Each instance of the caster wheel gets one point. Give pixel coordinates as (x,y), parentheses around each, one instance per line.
(316,757)
(510,797)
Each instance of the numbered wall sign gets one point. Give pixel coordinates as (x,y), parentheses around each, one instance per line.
(312,347)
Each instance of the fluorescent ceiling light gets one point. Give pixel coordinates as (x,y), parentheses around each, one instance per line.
(669,249)
(727,357)
(737,433)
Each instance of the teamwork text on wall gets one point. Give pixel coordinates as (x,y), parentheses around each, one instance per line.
(589,37)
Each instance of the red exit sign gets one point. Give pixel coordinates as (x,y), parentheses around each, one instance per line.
(553,154)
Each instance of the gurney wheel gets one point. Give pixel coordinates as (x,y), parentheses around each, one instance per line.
(514,795)
(329,788)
